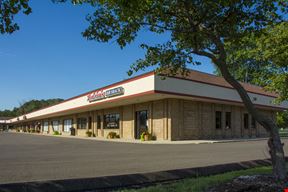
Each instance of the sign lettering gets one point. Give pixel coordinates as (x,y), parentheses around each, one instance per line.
(101,94)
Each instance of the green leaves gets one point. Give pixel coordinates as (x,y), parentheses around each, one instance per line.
(29,106)
(167,58)
(196,27)
(262,59)
(108,22)
(8,9)
(282,119)
(248,35)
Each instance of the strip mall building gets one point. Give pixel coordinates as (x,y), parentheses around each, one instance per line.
(199,106)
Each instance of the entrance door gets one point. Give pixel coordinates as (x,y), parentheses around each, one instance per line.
(141,123)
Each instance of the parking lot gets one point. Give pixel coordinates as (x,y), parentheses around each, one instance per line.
(25,157)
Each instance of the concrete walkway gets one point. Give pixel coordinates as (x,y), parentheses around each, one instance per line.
(152,142)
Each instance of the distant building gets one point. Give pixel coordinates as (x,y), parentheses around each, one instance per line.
(3,123)
(199,106)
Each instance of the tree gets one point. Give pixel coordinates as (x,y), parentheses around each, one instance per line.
(29,106)
(195,28)
(282,119)
(262,59)
(8,9)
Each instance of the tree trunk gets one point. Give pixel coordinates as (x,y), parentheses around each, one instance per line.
(274,142)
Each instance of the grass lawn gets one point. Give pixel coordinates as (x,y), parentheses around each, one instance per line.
(200,184)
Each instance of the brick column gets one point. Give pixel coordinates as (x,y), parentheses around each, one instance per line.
(133,121)
(102,123)
(121,123)
(74,123)
(50,129)
(61,125)
(94,130)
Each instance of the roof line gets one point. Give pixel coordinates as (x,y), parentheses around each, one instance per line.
(142,76)
(213,75)
(105,87)
(183,78)
(86,93)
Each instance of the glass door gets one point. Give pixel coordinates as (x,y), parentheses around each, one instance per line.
(141,123)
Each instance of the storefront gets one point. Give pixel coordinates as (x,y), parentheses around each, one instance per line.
(3,124)
(199,106)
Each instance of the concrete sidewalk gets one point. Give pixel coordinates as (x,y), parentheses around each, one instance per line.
(153,142)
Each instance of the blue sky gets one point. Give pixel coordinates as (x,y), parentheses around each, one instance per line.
(48,57)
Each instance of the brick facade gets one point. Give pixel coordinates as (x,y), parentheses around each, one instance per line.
(168,119)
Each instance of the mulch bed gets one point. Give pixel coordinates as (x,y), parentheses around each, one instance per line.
(253,183)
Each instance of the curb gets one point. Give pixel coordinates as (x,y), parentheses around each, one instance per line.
(111,183)
(184,142)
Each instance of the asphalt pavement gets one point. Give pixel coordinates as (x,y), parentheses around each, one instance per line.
(25,157)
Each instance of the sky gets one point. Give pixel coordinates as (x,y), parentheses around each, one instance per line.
(48,57)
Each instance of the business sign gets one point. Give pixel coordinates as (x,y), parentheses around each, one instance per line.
(101,94)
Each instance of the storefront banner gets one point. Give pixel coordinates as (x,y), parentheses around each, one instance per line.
(101,94)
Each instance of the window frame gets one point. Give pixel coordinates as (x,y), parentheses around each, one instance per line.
(65,129)
(82,123)
(228,121)
(110,117)
(45,126)
(218,118)
(58,125)
(98,121)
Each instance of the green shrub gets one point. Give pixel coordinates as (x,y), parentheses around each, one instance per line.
(88,133)
(112,135)
(146,136)
(56,133)
(142,136)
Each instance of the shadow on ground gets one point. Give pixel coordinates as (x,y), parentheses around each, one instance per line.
(110,183)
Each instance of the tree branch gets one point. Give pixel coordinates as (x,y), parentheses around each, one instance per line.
(204,53)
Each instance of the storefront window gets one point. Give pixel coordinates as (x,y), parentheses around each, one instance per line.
(55,125)
(81,123)
(218,117)
(143,118)
(67,125)
(98,122)
(111,121)
(46,126)
(228,120)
